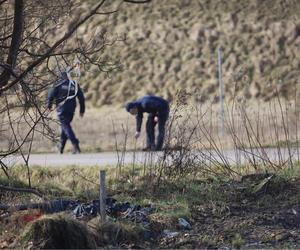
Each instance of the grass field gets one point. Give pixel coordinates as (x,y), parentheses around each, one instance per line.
(246,124)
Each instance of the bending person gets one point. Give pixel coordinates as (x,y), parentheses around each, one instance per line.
(158,109)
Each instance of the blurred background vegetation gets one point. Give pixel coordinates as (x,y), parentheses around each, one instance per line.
(172,45)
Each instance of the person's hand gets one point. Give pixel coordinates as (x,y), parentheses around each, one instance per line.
(137,134)
(156,119)
(81,114)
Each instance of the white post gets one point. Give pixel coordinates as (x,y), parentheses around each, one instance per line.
(102,196)
(221,92)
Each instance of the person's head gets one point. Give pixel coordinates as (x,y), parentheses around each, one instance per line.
(132,108)
(63,75)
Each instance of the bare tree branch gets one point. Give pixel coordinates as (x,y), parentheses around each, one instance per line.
(5,38)
(137,1)
(15,41)
(2,2)
(22,190)
(53,47)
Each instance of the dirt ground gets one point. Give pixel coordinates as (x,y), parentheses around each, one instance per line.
(268,219)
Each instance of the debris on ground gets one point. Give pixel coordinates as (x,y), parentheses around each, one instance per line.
(169,234)
(125,222)
(134,213)
(184,224)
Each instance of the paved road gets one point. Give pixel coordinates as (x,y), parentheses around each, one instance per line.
(112,158)
(102,159)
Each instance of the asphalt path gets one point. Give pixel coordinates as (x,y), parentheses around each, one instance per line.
(266,155)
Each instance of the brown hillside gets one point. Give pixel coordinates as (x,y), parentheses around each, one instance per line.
(173,44)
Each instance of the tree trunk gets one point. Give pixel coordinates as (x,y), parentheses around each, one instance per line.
(15,42)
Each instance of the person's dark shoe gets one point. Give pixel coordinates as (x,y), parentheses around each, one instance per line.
(149,148)
(60,147)
(76,149)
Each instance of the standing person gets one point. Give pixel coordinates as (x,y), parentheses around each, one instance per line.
(64,92)
(158,109)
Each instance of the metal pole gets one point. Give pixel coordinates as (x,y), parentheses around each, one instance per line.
(102,196)
(221,92)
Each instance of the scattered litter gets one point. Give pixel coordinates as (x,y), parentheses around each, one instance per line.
(169,234)
(261,185)
(224,248)
(47,207)
(184,224)
(253,244)
(134,213)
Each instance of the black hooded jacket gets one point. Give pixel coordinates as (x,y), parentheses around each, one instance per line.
(64,92)
(149,104)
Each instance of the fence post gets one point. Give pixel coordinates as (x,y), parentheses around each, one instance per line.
(102,195)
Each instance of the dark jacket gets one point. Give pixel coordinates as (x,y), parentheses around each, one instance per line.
(149,104)
(63,92)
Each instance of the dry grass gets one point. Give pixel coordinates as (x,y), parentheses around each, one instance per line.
(56,231)
(173,45)
(114,233)
(267,123)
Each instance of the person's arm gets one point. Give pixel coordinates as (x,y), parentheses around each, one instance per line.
(81,101)
(51,96)
(139,121)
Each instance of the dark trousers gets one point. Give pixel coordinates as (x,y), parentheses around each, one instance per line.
(67,132)
(150,130)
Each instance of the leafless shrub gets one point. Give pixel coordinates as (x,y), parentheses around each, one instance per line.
(120,147)
(193,146)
